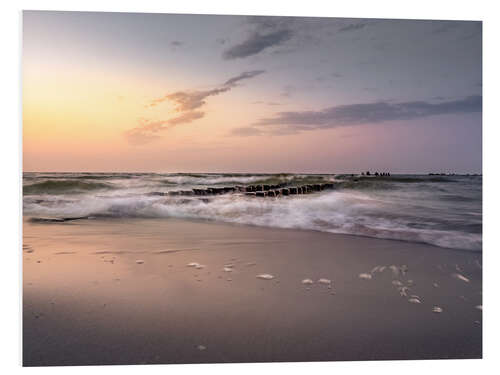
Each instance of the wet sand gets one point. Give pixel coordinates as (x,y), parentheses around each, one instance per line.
(120,292)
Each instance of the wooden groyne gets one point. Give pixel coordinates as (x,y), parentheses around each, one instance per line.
(278,190)
(260,191)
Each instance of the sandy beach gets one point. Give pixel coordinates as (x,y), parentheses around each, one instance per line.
(120,291)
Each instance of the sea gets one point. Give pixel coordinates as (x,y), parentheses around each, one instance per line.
(441,210)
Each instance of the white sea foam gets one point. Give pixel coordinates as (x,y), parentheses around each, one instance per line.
(413,212)
(394,269)
(265,276)
(459,276)
(403,291)
(209,180)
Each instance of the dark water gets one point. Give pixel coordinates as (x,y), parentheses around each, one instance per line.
(444,211)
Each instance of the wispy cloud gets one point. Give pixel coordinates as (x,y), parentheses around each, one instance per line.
(187,104)
(245,75)
(145,132)
(257,43)
(358,114)
(176,45)
(271,33)
(267,103)
(190,100)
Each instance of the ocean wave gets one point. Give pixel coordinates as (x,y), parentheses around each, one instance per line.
(399,178)
(63,187)
(388,182)
(344,211)
(206,180)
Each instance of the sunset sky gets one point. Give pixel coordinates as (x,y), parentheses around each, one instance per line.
(196,93)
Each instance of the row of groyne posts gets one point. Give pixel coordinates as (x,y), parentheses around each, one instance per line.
(281,189)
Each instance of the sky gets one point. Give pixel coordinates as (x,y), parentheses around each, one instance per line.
(117,92)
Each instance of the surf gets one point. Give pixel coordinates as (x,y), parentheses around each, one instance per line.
(439,210)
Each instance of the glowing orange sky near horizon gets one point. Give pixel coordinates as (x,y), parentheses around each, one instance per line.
(88,79)
(74,119)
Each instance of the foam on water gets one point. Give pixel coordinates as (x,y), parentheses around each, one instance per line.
(460,277)
(445,212)
(365,276)
(265,276)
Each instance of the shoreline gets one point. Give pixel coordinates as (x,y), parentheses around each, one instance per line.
(119,292)
(51,220)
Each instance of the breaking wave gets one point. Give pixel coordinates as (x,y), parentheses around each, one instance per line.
(442,211)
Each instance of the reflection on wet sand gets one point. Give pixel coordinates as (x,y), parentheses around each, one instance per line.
(158,291)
